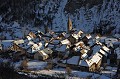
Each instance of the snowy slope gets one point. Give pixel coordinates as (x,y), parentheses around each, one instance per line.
(105,15)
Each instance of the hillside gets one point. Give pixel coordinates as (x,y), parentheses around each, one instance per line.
(101,16)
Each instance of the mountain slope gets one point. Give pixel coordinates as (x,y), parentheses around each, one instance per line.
(94,16)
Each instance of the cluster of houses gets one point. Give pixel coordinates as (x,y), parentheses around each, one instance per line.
(73,48)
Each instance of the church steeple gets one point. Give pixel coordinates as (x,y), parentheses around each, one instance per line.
(69,25)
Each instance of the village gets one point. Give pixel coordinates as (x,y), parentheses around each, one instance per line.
(71,50)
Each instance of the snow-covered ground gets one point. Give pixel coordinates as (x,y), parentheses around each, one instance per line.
(74,74)
(32,65)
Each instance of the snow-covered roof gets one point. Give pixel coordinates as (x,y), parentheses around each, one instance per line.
(66,41)
(91,42)
(96,58)
(96,48)
(48,51)
(24,45)
(84,51)
(79,43)
(93,59)
(67,35)
(73,60)
(102,39)
(84,56)
(48,34)
(117,51)
(55,36)
(32,35)
(88,36)
(97,37)
(62,48)
(55,41)
(42,52)
(19,41)
(106,48)
(86,63)
(75,36)
(110,45)
(103,52)
(77,49)
(37,47)
(6,45)
(29,38)
(50,45)
(110,40)
(31,43)
(117,36)
(99,43)
(80,32)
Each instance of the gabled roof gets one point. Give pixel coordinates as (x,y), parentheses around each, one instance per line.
(106,49)
(62,48)
(66,41)
(91,42)
(75,36)
(49,45)
(88,36)
(93,59)
(28,37)
(73,60)
(19,41)
(25,45)
(103,52)
(42,53)
(110,40)
(97,37)
(79,43)
(66,35)
(84,56)
(55,41)
(37,46)
(96,48)
(77,49)
(32,35)
(80,32)
(86,63)
(6,45)
(31,43)
(96,58)
(102,39)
